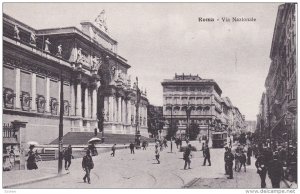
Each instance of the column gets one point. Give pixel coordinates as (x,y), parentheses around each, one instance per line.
(115,109)
(128,111)
(33,91)
(47,105)
(120,109)
(106,105)
(146,116)
(78,102)
(111,108)
(18,89)
(123,111)
(94,103)
(58,98)
(72,103)
(86,102)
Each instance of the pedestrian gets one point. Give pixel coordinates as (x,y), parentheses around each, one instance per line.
(165,142)
(113,149)
(177,142)
(206,156)
(261,168)
(87,165)
(243,159)
(31,160)
(226,166)
(131,146)
(157,154)
(275,171)
(249,154)
(186,157)
(68,157)
(171,145)
(144,144)
(229,157)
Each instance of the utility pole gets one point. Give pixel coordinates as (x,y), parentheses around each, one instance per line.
(61,126)
(138,96)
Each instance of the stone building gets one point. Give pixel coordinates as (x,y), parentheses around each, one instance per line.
(97,90)
(281,86)
(199,98)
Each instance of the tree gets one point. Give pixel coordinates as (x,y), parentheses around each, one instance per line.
(194,131)
(155,119)
(172,130)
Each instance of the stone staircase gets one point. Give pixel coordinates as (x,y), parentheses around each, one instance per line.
(81,138)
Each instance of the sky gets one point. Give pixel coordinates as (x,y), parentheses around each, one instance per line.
(161,39)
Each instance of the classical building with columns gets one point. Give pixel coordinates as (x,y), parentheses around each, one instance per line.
(96,88)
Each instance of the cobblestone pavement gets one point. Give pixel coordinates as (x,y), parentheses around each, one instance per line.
(140,170)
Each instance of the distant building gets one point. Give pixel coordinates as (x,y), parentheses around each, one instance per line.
(203,98)
(250,126)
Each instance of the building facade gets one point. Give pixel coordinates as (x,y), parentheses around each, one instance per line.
(202,97)
(281,87)
(97,92)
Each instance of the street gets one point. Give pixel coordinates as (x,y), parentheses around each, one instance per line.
(140,170)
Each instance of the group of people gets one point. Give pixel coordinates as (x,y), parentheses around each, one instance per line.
(272,162)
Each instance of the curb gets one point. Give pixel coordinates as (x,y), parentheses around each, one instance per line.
(35,180)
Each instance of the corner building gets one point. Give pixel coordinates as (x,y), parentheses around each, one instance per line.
(97,90)
(202,95)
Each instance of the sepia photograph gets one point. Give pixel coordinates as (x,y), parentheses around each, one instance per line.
(149,96)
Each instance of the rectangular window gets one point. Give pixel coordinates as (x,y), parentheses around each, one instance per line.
(9,78)
(26,82)
(40,85)
(67,92)
(54,92)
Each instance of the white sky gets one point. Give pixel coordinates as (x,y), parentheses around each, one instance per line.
(162,39)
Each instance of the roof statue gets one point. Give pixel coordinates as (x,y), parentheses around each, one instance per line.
(59,50)
(47,44)
(32,39)
(16,32)
(96,63)
(101,21)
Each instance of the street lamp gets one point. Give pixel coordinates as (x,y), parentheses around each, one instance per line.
(188,115)
(138,98)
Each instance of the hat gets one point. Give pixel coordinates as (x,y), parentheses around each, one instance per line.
(31,146)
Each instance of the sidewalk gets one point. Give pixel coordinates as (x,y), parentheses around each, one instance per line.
(46,170)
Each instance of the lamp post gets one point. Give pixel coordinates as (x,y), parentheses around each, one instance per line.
(138,97)
(188,114)
(61,125)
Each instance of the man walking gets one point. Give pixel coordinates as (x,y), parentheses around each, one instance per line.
(226,166)
(229,157)
(113,149)
(68,157)
(87,165)
(249,154)
(261,168)
(275,171)
(186,157)
(206,156)
(157,154)
(131,146)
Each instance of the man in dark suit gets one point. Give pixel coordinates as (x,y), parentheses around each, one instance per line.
(275,171)
(229,157)
(206,156)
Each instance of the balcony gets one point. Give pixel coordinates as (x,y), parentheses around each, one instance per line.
(292,106)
